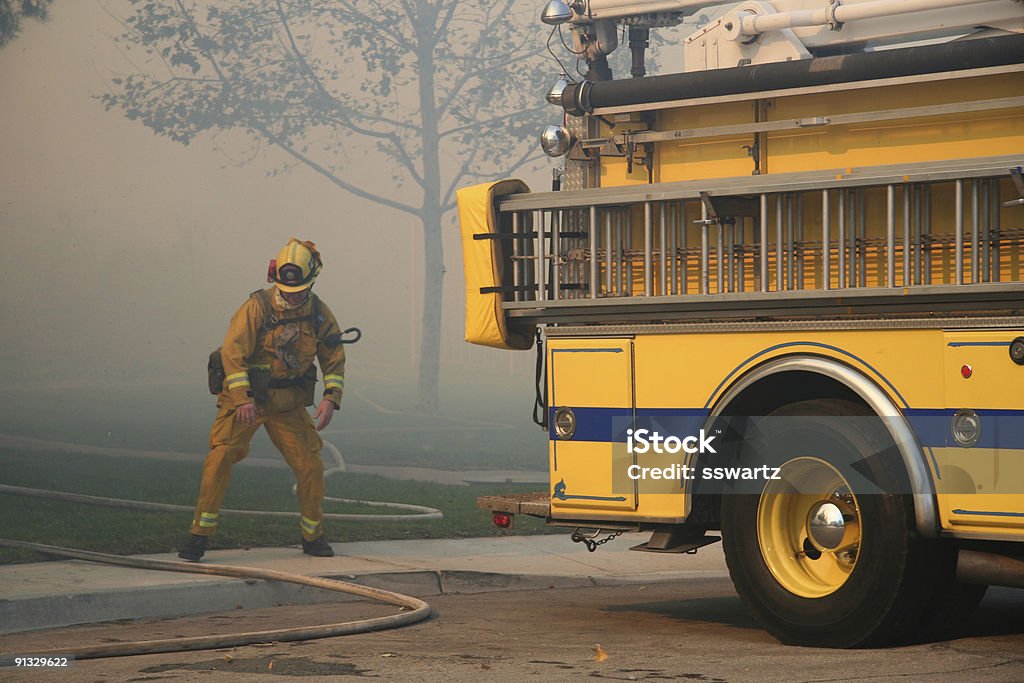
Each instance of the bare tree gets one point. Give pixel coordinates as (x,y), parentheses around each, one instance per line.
(448,91)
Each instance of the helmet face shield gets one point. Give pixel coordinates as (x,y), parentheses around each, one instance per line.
(291,275)
(298,265)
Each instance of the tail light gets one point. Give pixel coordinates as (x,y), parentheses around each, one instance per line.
(503,520)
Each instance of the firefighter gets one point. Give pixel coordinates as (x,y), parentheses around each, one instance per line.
(269,380)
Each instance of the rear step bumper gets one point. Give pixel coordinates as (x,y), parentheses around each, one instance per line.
(533,504)
(665,539)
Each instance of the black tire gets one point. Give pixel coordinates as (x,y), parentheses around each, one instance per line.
(886,594)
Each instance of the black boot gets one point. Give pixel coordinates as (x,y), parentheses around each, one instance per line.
(318,548)
(194,549)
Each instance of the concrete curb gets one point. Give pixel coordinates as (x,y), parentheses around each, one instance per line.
(220,595)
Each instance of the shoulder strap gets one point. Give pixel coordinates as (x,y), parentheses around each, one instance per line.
(317,314)
(269,319)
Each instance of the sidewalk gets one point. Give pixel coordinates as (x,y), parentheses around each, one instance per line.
(62,593)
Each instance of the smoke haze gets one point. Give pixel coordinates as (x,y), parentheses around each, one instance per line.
(127,253)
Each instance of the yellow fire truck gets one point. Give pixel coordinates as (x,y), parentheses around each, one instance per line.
(778,295)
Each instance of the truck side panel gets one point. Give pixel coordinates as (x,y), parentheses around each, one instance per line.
(680,377)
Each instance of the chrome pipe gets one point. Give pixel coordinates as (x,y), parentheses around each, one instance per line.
(719,274)
(800,241)
(986,229)
(673,268)
(619,252)
(593,252)
(926,238)
(862,256)
(609,218)
(684,255)
(541,289)
(764,242)
(780,249)
(841,240)
(627,253)
(890,236)
(730,255)
(996,231)
(959,218)
(975,231)
(556,261)
(790,256)
(742,255)
(663,249)
(852,229)
(907,190)
(918,255)
(648,248)
(826,241)
(705,266)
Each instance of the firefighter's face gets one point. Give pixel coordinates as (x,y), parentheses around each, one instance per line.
(295,298)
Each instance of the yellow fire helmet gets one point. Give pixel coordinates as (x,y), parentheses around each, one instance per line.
(296,267)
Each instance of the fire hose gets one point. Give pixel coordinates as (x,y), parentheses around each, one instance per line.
(418,610)
(416,512)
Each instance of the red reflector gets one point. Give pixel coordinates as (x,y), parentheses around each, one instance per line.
(502,520)
(966,372)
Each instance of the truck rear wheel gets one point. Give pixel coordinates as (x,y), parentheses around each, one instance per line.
(820,562)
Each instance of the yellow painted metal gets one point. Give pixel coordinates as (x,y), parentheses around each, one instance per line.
(593,373)
(698,158)
(842,148)
(995,380)
(917,369)
(614,170)
(992,514)
(950,136)
(985,484)
(701,367)
(782,534)
(583,478)
(836,146)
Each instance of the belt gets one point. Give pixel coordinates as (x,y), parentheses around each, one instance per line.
(285,383)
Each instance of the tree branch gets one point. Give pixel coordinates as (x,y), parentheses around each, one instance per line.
(485,122)
(284,145)
(348,10)
(470,74)
(440,30)
(447,204)
(396,143)
(303,64)
(343,184)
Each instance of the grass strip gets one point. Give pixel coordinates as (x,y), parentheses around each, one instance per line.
(126,531)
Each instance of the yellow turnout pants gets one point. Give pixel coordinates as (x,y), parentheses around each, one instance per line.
(293,433)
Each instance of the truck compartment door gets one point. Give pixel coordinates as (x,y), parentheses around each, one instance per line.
(592,405)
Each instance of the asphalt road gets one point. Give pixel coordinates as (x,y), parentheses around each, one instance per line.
(696,630)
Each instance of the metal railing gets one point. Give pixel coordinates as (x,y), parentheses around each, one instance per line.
(933,227)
